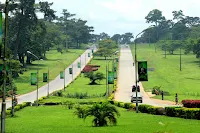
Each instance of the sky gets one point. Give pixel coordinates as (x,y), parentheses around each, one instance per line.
(121,16)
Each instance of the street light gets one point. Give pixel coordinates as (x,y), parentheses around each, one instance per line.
(37,74)
(107,69)
(136,70)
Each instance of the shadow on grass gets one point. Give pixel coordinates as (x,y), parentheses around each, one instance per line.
(195,62)
(193,78)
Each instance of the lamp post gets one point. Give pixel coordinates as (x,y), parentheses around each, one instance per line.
(48,84)
(37,74)
(136,71)
(80,65)
(107,67)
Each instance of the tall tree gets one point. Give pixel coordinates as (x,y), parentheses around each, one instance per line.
(155,16)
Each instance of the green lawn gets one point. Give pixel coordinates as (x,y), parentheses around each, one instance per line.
(58,119)
(23,82)
(167,72)
(81,85)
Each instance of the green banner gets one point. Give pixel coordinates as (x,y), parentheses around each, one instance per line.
(117,59)
(110,77)
(115,75)
(142,71)
(61,75)
(115,66)
(88,54)
(70,71)
(1,67)
(45,77)
(33,78)
(79,65)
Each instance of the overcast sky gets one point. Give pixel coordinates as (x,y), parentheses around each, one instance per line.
(120,16)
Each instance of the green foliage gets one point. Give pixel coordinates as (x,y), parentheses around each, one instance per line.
(57,93)
(78,95)
(80,111)
(106,48)
(187,113)
(94,76)
(151,109)
(102,113)
(68,104)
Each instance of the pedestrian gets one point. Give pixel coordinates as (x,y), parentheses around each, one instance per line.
(162,93)
(176,98)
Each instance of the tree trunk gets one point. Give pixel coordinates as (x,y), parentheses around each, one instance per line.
(66,43)
(28,60)
(21,59)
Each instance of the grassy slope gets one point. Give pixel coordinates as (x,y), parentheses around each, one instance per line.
(167,72)
(58,119)
(23,82)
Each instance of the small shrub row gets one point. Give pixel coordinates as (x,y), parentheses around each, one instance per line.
(187,113)
(191,103)
(151,109)
(18,107)
(124,105)
(57,93)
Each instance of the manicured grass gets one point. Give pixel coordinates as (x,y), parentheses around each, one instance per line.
(81,84)
(58,119)
(167,72)
(23,82)
(74,100)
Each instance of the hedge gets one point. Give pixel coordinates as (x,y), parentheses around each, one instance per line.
(151,109)
(187,113)
(191,103)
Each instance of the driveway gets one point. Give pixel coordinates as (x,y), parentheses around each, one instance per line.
(126,79)
(57,83)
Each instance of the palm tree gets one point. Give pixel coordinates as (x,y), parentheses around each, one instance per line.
(103,113)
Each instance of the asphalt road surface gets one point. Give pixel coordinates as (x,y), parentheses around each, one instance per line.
(57,83)
(126,79)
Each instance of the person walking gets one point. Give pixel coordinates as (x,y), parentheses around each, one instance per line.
(162,93)
(176,98)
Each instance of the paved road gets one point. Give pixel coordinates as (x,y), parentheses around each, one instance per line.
(57,83)
(126,79)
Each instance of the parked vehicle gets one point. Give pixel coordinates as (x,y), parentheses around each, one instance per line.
(134,88)
(139,97)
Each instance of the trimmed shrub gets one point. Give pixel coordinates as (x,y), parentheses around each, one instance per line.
(111,97)
(187,113)
(16,108)
(8,112)
(191,103)
(151,109)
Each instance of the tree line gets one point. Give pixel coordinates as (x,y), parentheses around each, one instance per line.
(181,32)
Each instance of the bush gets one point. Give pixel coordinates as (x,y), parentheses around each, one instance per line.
(127,105)
(191,103)
(57,93)
(20,105)
(78,95)
(16,108)
(151,109)
(69,104)
(8,112)
(111,97)
(187,113)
